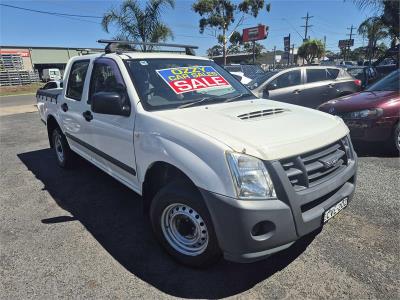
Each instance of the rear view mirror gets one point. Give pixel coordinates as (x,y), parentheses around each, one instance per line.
(110,103)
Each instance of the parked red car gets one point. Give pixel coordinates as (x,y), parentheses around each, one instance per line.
(373,114)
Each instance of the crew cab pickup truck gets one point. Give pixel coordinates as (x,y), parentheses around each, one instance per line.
(221,173)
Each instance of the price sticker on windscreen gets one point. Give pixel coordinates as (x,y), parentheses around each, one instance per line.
(188,79)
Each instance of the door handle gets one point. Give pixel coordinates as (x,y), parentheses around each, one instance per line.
(64,107)
(87,115)
(296,91)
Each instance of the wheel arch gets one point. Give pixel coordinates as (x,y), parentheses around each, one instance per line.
(159,174)
(51,125)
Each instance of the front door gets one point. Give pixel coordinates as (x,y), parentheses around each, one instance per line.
(113,134)
(286,87)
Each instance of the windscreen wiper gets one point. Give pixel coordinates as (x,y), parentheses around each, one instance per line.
(240,96)
(194,103)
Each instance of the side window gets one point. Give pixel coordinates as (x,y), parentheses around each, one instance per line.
(314,75)
(332,73)
(287,79)
(76,79)
(106,77)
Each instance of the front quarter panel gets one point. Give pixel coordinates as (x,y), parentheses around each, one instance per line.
(198,156)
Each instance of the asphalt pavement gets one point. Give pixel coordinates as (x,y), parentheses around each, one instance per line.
(81,234)
(10,105)
(17,100)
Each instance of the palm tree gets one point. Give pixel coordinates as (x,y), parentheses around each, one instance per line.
(374,30)
(388,11)
(140,23)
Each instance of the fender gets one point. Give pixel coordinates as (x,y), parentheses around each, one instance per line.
(202,161)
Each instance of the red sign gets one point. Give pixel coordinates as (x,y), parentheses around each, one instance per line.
(188,79)
(20,52)
(255,33)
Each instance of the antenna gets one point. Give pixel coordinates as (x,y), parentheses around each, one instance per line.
(113,44)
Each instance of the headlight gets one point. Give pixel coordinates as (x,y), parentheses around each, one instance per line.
(250,177)
(366,113)
(348,147)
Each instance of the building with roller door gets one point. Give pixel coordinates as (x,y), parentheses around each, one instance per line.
(25,64)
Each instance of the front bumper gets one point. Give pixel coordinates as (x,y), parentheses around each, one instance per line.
(370,130)
(251,230)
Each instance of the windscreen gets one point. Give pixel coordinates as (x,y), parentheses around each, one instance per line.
(178,83)
(388,83)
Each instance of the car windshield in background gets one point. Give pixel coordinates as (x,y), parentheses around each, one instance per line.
(173,83)
(259,80)
(388,83)
(250,71)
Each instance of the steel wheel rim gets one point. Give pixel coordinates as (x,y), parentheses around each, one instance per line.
(184,229)
(58,147)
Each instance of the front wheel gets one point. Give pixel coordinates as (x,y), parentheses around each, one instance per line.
(396,138)
(183,226)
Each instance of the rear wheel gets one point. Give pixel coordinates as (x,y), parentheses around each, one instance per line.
(61,149)
(183,226)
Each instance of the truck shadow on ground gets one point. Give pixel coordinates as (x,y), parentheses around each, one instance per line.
(114,216)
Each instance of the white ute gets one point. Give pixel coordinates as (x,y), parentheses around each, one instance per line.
(221,172)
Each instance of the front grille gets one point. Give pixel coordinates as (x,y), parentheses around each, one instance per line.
(311,168)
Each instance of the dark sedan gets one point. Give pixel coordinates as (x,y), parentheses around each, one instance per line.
(371,115)
(307,86)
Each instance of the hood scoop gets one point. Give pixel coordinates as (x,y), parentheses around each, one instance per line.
(261,113)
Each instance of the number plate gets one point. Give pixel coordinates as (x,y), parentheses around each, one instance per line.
(334,210)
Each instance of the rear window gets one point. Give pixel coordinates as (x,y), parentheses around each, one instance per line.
(332,73)
(315,75)
(76,79)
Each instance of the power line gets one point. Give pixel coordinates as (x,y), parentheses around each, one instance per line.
(49,12)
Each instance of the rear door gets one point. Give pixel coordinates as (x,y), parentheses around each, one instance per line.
(113,134)
(317,87)
(73,105)
(285,87)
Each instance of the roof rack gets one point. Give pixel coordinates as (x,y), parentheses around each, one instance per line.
(112,45)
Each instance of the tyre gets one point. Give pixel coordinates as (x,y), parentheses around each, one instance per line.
(395,140)
(183,226)
(61,149)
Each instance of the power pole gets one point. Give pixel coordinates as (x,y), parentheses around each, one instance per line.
(307,25)
(350,37)
(306,28)
(274,57)
(292,53)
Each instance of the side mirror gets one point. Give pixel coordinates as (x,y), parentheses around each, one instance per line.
(110,103)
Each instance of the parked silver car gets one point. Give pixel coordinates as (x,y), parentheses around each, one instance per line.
(307,86)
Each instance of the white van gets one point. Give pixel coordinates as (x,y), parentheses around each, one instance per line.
(51,74)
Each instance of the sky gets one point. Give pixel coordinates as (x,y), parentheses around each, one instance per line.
(331,18)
